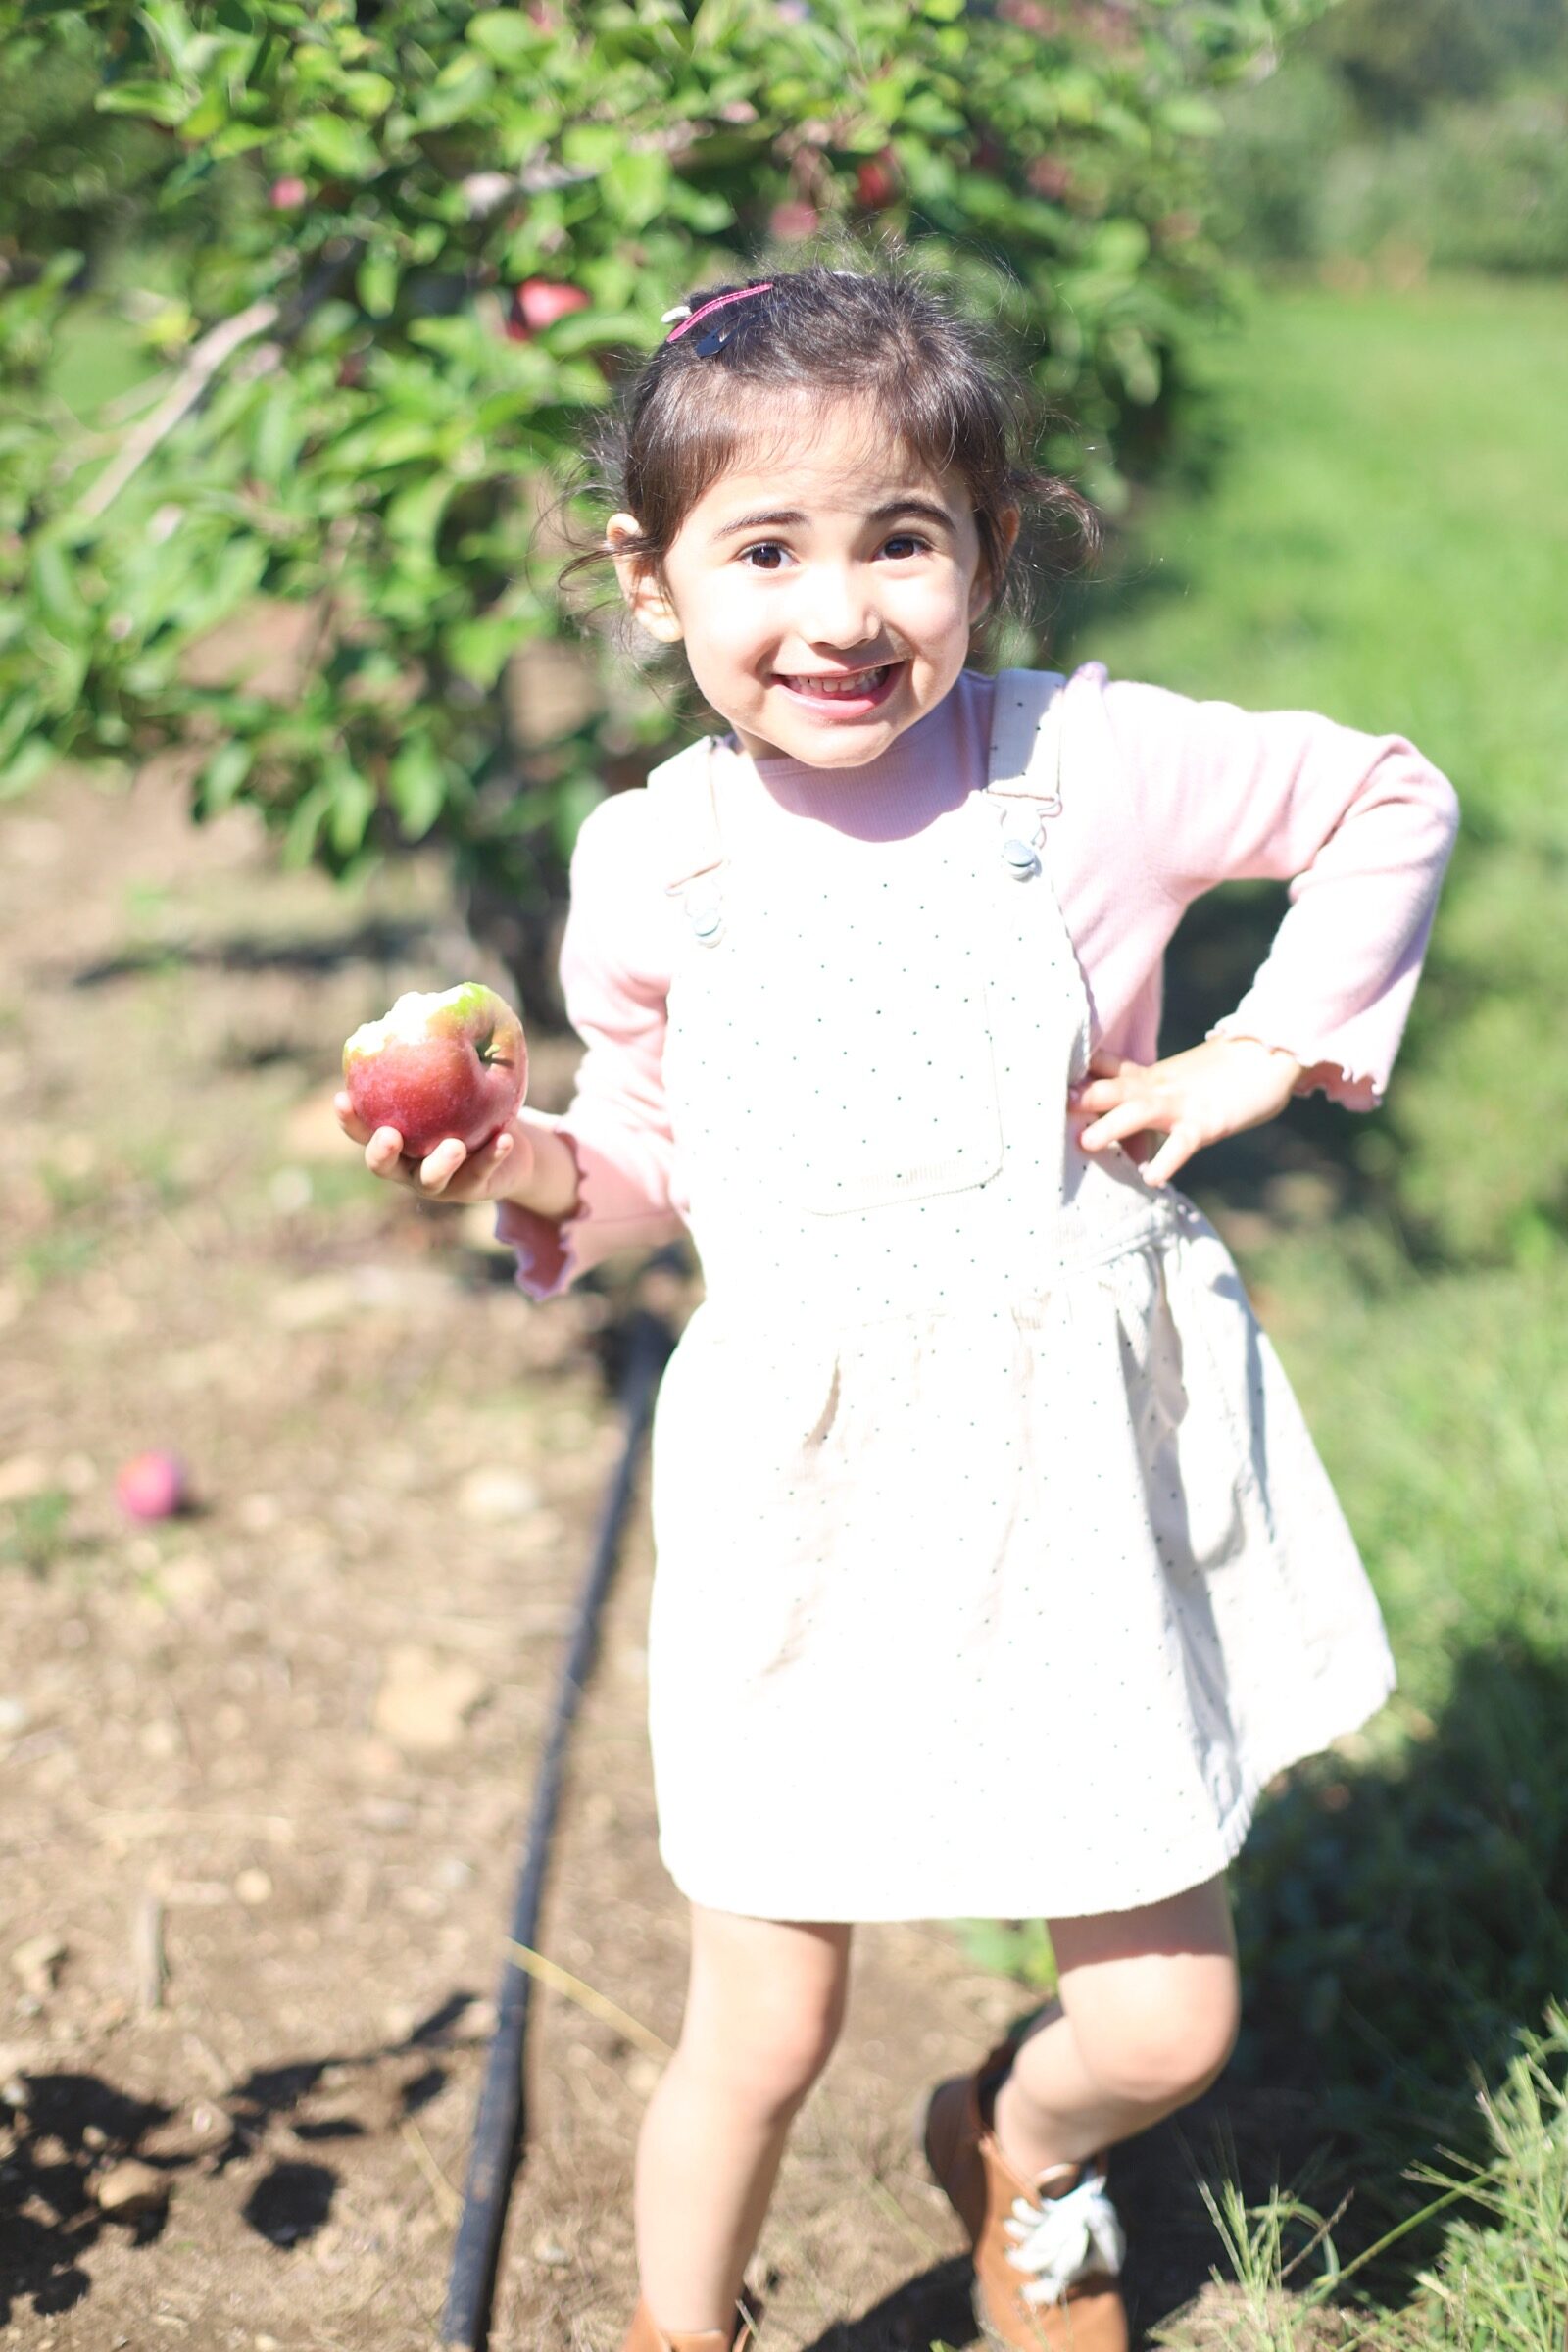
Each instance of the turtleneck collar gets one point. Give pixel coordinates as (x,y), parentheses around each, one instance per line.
(928,768)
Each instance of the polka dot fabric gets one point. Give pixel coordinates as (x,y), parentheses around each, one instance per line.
(996,1569)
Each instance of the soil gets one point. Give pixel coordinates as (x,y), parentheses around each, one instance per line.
(267,1761)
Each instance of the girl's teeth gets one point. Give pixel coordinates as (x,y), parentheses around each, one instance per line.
(863,681)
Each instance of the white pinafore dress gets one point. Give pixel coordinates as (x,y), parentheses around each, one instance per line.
(996,1570)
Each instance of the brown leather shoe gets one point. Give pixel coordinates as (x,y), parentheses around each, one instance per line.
(644,2336)
(1046,2251)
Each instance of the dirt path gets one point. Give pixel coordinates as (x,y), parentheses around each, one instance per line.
(264,1764)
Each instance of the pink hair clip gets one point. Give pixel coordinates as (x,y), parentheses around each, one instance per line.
(721,302)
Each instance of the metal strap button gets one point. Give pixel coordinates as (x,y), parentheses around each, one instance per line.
(1020,857)
(705,916)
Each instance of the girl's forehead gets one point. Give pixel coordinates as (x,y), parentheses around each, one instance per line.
(828,456)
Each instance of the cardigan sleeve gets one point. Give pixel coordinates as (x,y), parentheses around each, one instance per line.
(617,1124)
(1360,827)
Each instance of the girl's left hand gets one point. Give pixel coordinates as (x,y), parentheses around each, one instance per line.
(1193,1099)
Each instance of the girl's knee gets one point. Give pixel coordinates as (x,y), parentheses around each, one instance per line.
(1160,2051)
(762,2022)
(766,2058)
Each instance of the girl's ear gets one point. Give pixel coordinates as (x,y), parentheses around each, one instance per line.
(987,577)
(646,596)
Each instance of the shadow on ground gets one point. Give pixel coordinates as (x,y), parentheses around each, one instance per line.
(68,2132)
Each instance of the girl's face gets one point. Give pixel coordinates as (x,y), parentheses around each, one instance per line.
(826,596)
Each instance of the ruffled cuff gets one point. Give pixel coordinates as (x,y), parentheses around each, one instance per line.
(1343,1080)
(553,1252)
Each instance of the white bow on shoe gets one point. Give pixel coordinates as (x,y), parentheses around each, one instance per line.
(1062,2239)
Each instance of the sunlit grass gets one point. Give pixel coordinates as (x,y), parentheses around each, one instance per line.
(1384,536)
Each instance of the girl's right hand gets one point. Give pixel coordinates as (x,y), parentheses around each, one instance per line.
(450,1172)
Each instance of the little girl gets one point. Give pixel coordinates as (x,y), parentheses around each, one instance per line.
(996,1570)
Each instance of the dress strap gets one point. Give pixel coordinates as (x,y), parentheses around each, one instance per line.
(1026,737)
(686,813)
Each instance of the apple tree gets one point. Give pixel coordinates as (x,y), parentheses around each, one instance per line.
(459,226)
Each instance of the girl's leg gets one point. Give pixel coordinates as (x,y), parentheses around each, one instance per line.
(762,2012)
(1145,2019)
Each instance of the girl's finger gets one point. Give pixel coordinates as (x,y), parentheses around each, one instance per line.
(1097,1094)
(438,1167)
(1131,1118)
(383,1152)
(353,1126)
(1107,1065)
(489,1159)
(1173,1154)
(485,1156)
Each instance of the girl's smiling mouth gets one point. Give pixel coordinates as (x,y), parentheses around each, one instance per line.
(851,691)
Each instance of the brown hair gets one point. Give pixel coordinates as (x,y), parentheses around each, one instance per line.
(935,379)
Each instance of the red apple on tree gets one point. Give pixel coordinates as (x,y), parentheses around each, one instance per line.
(876,181)
(538,302)
(792,221)
(451,1064)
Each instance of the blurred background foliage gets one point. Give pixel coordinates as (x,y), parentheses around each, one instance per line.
(391,260)
(1431,137)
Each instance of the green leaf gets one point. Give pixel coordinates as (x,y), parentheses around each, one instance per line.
(416,786)
(1120,248)
(388,441)
(479,649)
(414,515)
(1191,116)
(369,94)
(275,442)
(65,611)
(506,36)
(462,85)
(239,138)
(593,145)
(350,806)
(377,281)
(218,783)
(33,758)
(156,99)
(635,186)
(304,827)
(339,147)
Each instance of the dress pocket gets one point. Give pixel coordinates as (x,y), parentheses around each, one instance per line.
(1196,1476)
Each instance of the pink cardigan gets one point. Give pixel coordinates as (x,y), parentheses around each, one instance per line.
(1162,799)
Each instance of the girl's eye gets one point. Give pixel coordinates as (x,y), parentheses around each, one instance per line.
(904,543)
(766,549)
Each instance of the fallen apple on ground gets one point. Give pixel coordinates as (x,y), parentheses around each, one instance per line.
(451,1064)
(152,1486)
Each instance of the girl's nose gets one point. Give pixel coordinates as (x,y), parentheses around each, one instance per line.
(839,609)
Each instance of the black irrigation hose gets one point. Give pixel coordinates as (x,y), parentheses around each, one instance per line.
(499,2119)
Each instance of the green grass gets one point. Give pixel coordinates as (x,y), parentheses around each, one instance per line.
(1384,536)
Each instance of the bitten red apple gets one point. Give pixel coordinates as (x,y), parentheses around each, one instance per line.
(449,1063)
